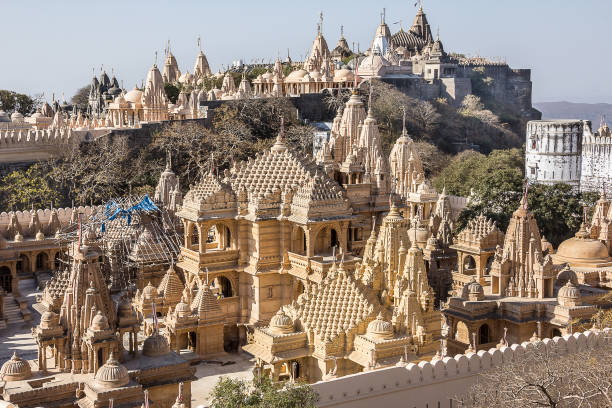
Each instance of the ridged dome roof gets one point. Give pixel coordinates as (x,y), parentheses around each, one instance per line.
(149,292)
(99,322)
(281,323)
(155,345)
(569,291)
(48,320)
(112,374)
(15,369)
(134,96)
(380,328)
(182,309)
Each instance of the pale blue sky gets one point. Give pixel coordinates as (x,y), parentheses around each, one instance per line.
(51,46)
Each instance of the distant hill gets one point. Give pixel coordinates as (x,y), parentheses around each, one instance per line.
(571,110)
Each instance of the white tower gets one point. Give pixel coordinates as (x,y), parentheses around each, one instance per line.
(553,152)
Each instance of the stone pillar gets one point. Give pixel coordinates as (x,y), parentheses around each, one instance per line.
(202,236)
(40,357)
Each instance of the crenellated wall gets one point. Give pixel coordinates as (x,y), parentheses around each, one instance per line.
(433,385)
(64,216)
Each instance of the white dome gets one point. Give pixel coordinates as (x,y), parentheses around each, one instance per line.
(380,328)
(299,74)
(134,96)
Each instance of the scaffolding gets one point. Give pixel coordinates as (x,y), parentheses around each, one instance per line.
(131,233)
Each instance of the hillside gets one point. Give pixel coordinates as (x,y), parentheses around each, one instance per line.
(571,110)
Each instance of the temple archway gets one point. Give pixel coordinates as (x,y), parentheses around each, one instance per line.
(555,333)
(326,240)
(298,241)
(195,238)
(42,262)
(6,279)
(483,334)
(23,264)
(224,285)
(488,264)
(469,265)
(461,333)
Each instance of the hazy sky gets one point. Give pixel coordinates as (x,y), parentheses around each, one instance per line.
(52,46)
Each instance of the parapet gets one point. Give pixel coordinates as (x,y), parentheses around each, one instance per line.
(436,383)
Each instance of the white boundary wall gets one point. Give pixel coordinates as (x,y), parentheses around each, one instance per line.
(433,385)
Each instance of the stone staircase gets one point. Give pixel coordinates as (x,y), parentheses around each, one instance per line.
(12,312)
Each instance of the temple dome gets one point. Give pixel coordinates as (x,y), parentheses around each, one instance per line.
(380,328)
(182,309)
(134,96)
(112,374)
(581,250)
(298,74)
(474,290)
(281,323)
(15,369)
(344,75)
(99,322)
(569,295)
(48,320)
(149,292)
(155,345)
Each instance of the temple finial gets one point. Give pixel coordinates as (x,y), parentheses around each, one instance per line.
(199,45)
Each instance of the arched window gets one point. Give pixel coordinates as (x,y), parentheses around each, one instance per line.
(224,285)
(487,270)
(556,333)
(333,241)
(298,244)
(469,265)
(41,261)
(23,264)
(195,237)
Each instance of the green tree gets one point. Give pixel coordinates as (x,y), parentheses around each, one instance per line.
(172,91)
(496,183)
(11,101)
(233,393)
(81,97)
(21,189)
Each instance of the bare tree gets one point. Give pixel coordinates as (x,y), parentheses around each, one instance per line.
(335,99)
(545,378)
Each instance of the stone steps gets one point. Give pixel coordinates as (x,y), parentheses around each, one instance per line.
(12,311)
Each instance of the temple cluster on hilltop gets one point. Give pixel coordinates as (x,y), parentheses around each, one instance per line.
(413,60)
(318,267)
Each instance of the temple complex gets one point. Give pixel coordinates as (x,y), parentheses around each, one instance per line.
(520,287)
(268,235)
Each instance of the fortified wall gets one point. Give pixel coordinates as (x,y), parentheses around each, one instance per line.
(435,384)
(512,87)
(24,218)
(568,151)
(19,148)
(28,145)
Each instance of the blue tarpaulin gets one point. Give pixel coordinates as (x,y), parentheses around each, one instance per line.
(113,210)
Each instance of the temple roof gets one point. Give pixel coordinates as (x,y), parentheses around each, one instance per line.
(338,304)
(407,39)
